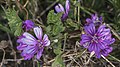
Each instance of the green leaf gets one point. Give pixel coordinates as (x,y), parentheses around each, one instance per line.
(57,48)
(58,61)
(54,29)
(55,25)
(53,18)
(57,29)
(48,28)
(15,23)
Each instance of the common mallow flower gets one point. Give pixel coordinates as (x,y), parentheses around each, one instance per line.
(28,24)
(97,38)
(31,45)
(60,8)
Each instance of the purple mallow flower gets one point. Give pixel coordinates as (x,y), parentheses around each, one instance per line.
(28,24)
(60,8)
(97,39)
(31,45)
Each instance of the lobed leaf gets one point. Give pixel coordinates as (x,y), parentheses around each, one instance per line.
(15,23)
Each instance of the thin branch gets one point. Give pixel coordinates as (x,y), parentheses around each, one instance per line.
(75,61)
(91,54)
(26,3)
(11,44)
(108,61)
(22,7)
(50,61)
(13,59)
(3,57)
(42,13)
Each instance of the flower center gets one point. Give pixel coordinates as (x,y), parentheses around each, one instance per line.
(95,38)
(40,44)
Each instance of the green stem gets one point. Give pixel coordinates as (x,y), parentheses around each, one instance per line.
(75,11)
(38,64)
(65,37)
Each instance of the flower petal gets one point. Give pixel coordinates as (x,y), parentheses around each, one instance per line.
(28,24)
(26,56)
(39,54)
(94,47)
(88,20)
(67,6)
(105,32)
(90,29)
(112,40)
(94,17)
(102,31)
(38,32)
(101,28)
(21,46)
(30,49)
(106,51)
(19,40)
(59,8)
(29,39)
(46,41)
(28,36)
(85,39)
(102,44)
(64,17)
(101,19)
(109,41)
(98,55)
